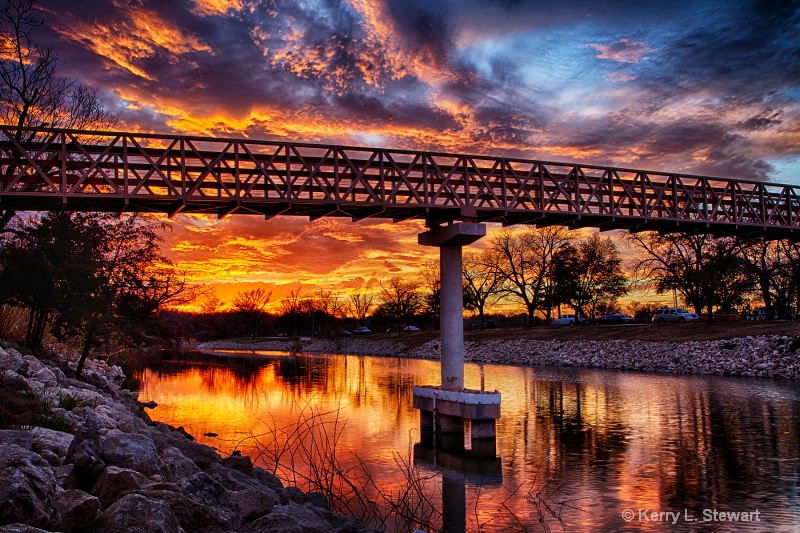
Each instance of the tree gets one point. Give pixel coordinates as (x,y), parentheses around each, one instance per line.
(400,300)
(432,282)
(51,264)
(481,282)
(524,262)
(770,267)
(133,282)
(703,269)
(327,305)
(89,275)
(590,274)
(31,94)
(359,305)
(250,307)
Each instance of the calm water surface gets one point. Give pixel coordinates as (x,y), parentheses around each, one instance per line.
(594,445)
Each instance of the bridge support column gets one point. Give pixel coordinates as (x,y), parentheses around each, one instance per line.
(449,405)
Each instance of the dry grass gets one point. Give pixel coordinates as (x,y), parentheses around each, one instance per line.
(698,331)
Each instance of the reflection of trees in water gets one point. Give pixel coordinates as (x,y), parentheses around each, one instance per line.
(705,442)
(679,442)
(725,447)
(304,375)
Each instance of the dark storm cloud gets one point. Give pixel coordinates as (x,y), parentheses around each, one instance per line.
(468,75)
(750,50)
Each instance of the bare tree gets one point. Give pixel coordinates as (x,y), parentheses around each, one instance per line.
(359,306)
(524,263)
(431,278)
(482,283)
(400,300)
(250,306)
(704,270)
(772,267)
(31,94)
(329,305)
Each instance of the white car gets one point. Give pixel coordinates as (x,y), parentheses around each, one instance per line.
(568,320)
(674,314)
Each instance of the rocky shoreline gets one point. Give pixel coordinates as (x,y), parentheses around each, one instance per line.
(109,468)
(771,356)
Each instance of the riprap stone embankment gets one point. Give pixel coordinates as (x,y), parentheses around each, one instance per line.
(754,356)
(109,468)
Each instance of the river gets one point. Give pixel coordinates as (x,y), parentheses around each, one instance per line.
(576,449)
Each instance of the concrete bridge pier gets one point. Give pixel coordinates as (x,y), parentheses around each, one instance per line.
(444,408)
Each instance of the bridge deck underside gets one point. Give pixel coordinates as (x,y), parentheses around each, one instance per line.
(119,172)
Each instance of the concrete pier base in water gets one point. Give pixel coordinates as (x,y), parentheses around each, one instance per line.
(444,409)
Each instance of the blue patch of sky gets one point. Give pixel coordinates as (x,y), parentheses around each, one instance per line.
(551,65)
(787,170)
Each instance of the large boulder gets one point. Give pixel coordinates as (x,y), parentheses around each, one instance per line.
(137,513)
(56,441)
(254,503)
(242,463)
(114,482)
(232,479)
(18,437)
(131,450)
(66,476)
(267,478)
(273,523)
(27,489)
(194,515)
(175,466)
(163,437)
(253,498)
(84,454)
(205,490)
(289,518)
(21,528)
(77,509)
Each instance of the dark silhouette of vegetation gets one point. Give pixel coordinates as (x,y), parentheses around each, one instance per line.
(400,301)
(589,274)
(250,306)
(31,92)
(92,277)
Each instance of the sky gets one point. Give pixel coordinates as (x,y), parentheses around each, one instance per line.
(702,87)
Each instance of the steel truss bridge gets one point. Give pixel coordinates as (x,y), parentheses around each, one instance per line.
(57,169)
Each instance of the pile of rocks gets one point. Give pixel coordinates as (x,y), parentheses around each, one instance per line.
(116,470)
(763,356)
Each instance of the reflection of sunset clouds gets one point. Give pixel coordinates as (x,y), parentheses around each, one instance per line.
(605,440)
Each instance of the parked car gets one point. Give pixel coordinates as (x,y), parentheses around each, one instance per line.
(345,333)
(411,329)
(674,314)
(616,318)
(761,314)
(484,324)
(362,331)
(568,319)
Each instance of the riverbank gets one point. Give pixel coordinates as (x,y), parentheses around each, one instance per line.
(725,350)
(83,455)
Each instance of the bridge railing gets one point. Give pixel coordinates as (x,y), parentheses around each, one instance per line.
(44,168)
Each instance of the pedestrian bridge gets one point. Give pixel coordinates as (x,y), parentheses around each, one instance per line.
(55,169)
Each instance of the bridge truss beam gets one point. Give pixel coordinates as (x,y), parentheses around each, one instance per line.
(54,169)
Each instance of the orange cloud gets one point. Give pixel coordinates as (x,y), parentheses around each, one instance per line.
(137,34)
(208,8)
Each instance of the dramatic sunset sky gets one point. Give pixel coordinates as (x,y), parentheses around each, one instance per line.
(707,87)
